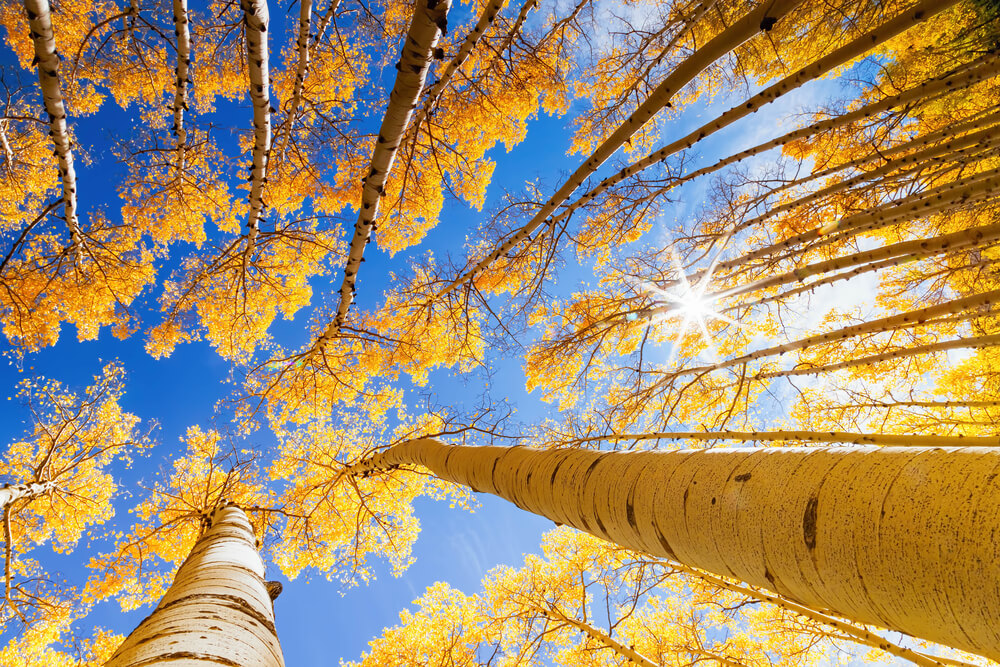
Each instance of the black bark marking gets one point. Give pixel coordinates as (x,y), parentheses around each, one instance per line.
(663,542)
(809,523)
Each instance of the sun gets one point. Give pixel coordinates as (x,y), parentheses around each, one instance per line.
(693,303)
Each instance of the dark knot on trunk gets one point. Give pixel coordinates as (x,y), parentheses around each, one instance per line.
(273,589)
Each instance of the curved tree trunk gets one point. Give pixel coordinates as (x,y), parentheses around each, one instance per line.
(899,537)
(218,610)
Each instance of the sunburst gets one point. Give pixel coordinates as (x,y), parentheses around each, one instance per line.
(695,304)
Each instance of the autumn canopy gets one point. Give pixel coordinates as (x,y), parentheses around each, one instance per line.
(708,284)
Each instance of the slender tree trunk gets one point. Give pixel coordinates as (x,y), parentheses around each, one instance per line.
(905,251)
(903,538)
(814,70)
(40,20)
(983,68)
(854,632)
(218,610)
(905,320)
(430,19)
(255,18)
(183,32)
(968,343)
(599,636)
(880,439)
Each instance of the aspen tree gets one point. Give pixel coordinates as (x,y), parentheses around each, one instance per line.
(222,577)
(429,21)
(255,17)
(851,530)
(58,484)
(44,41)
(743,30)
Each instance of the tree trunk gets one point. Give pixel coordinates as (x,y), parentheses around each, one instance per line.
(218,610)
(430,20)
(903,538)
(256,18)
(40,20)
(759,19)
(11,493)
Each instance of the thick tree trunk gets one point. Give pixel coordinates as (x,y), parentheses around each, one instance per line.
(903,538)
(11,493)
(218,610)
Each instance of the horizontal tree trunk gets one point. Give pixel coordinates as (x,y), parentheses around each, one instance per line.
(218,610)
(899,537)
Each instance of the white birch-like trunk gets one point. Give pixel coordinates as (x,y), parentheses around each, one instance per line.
(914,318)
(182,31)
(218,610)
(255,18)
(8,154)
(899,537)
(814,70)
(983,68)
(11,493)
(430,19)
(40,21)
(838,437)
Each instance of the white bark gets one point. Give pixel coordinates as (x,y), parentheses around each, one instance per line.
(182,31)
(9,494)
(741,31)
(970,343)
(830,437)
(965,238)
(8,154)
(216,612)
(899,537)
(429,20)
(304,46)
(255,18)
(40,21)
(983,301)
(489,13)
(983,68)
